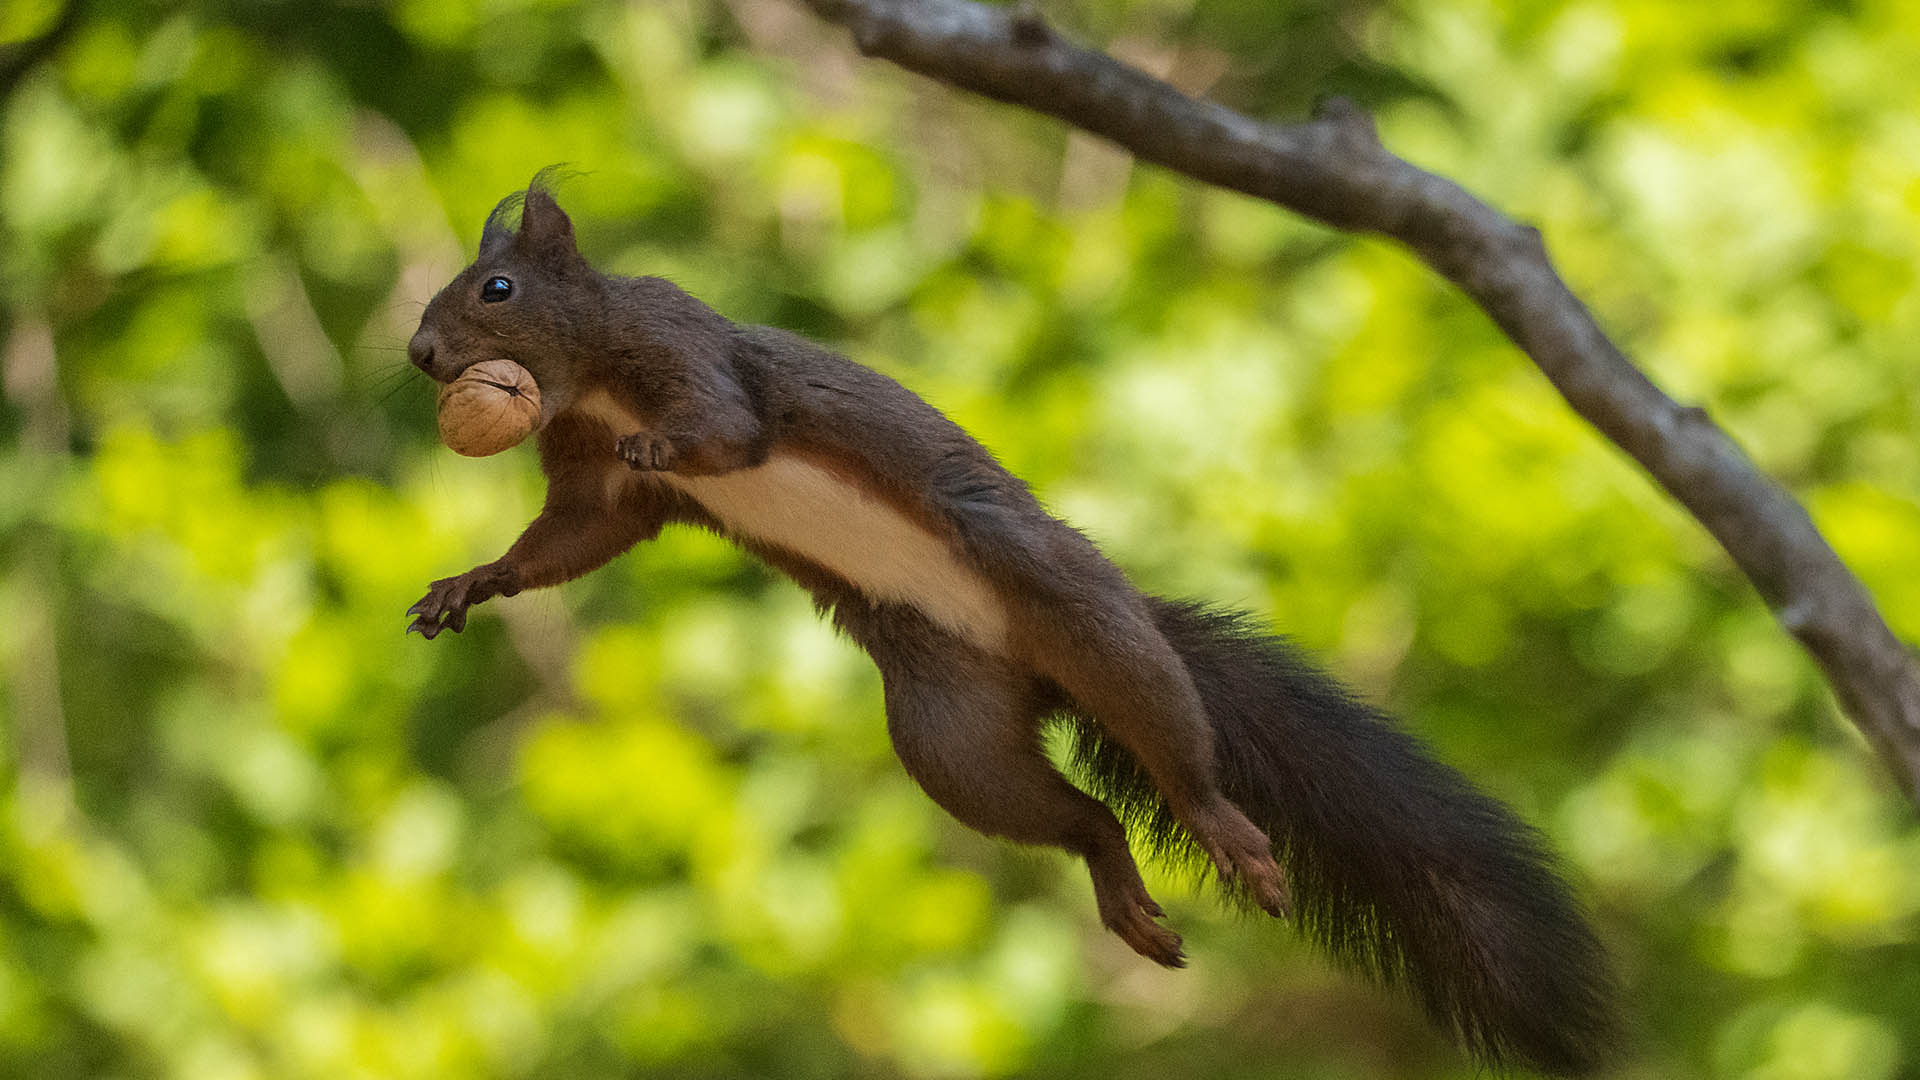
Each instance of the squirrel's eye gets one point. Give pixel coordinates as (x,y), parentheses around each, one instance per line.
(496,289)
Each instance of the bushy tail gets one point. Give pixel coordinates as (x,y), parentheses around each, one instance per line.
(1398,866)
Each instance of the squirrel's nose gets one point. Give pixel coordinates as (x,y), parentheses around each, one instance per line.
(420,349)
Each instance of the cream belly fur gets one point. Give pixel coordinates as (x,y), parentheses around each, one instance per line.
(792,503)
(809,511)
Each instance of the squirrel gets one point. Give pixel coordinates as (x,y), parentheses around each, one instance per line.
(1216,742)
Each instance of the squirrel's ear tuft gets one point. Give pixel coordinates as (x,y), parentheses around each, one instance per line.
(497,236)
(544,230)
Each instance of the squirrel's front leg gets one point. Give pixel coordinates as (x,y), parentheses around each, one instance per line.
(581,528)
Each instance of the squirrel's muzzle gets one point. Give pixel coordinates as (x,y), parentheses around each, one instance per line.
(420,350)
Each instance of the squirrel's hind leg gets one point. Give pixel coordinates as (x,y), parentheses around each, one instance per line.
(966,726)
(1118,669)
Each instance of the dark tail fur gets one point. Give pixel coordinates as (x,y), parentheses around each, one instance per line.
(1398,866)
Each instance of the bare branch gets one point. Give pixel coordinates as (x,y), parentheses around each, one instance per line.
(1334,169)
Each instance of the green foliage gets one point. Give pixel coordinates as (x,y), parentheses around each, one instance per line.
(649,823)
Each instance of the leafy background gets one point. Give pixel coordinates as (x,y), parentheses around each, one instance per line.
(649,823)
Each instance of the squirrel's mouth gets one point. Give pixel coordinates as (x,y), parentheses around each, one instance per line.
(461,372)
(501,373)
(511,390)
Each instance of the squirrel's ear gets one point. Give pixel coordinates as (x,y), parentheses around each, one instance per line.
(545,229)
(498,235)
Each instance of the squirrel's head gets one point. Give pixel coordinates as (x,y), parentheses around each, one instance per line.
(528,298)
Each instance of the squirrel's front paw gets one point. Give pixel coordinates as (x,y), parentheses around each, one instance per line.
(646,450)
(447,600)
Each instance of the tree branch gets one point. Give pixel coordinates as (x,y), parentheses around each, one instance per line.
(1334,169)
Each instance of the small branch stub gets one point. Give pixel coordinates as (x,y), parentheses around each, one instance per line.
(1354,123)
(1029,28)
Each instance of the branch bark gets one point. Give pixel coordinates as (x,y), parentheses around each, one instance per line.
(1335,170)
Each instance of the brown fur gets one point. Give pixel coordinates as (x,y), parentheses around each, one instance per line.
(652,402)
(704,397)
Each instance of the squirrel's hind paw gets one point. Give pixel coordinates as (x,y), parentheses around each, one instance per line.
(1127,910)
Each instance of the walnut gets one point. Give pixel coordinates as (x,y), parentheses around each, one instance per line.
(492,405)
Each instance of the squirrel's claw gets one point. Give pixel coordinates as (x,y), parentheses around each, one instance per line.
(1127,910)
(443,608)
(447,600)
(1134,924)
(646,450)
(1242,855)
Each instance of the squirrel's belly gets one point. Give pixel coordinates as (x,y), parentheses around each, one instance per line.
(797,505)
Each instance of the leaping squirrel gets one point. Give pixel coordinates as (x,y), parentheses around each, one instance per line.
(987,616)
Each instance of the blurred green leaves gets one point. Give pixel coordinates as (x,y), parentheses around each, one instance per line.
(649,823)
